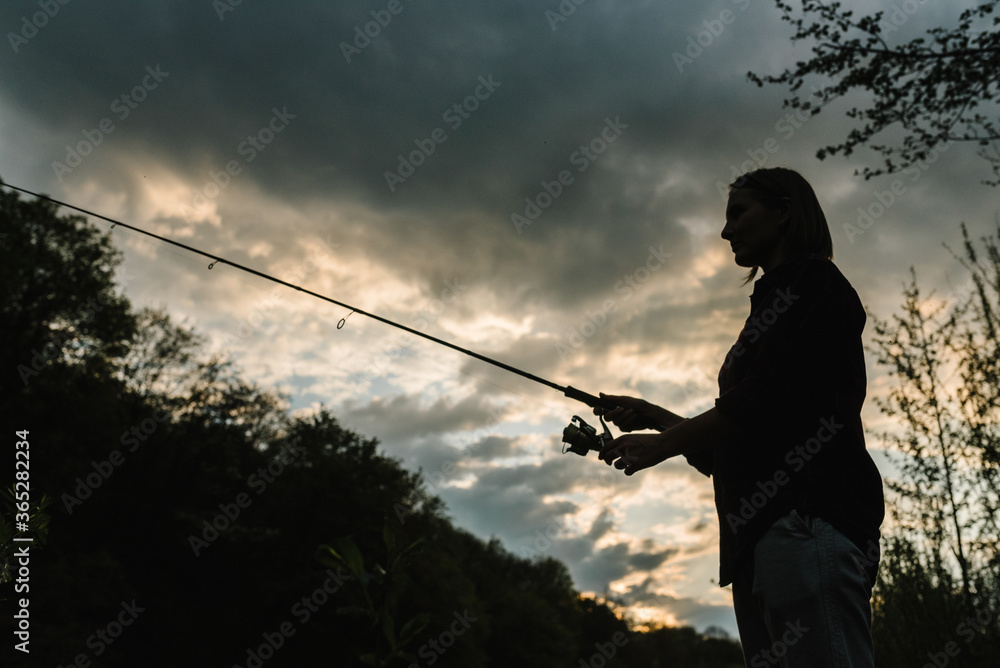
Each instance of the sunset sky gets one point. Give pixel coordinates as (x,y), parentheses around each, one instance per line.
(545,187)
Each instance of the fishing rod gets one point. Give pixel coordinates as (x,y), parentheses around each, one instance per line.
(571,392)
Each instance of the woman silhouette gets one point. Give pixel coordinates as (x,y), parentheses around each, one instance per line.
(799,498)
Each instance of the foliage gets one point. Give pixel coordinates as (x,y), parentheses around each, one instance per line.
(381,588)
(933,90)
(211,519)
(978,346)
(60,303)
(943,557)
(934,497)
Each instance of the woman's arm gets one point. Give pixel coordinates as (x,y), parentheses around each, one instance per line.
(634,452)
(632,414)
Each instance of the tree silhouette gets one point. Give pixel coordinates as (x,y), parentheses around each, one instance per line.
(190,497)
(943,551)
(932,90)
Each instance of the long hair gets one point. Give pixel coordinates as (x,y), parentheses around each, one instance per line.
(808,231)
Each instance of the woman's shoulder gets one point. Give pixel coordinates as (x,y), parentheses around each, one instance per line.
(818,276)
(829,283)
(817,267)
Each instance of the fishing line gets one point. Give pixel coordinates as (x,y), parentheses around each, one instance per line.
(568,391)
(388,342)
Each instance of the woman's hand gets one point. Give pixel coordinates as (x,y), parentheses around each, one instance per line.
(632,414)
(634,452)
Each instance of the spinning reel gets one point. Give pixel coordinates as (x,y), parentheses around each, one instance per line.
(580,438)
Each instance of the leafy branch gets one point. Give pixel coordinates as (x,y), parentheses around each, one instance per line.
(933,88)
(380,587)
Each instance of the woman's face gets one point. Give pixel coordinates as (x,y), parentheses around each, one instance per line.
(754,230)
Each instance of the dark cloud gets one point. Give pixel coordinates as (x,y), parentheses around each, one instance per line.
(647,561)
(601,525)
(406,416)
(516,513)
(493,447)
(351,121)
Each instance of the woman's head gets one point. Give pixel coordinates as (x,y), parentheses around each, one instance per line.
(772,215)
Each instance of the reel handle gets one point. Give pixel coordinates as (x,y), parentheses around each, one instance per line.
(589,399)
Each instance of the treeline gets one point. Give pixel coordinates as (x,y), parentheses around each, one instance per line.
(182,514)
(189,519)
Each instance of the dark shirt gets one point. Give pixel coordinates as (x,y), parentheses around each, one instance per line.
(795,382)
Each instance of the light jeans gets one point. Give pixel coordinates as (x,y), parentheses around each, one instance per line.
(805,603)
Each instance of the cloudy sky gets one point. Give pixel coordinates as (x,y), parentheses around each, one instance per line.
(539,185)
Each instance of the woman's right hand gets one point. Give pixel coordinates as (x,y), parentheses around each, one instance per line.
(633,414)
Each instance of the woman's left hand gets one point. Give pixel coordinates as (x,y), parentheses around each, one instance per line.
(634,452)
